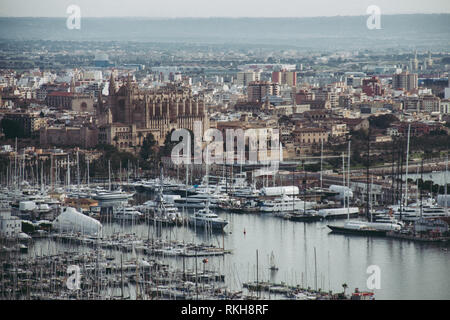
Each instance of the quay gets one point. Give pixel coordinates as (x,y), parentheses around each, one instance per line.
(418,238)
(150,247)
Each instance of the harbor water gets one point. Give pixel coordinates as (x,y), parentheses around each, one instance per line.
(306,254)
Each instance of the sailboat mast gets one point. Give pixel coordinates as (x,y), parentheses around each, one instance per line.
(407,158)
(87,172)
(445,181)
(257,284)
(315,269)
(421,177)
(15,167)
(293,207)
(304,188)
(78,170)
(343,175)
(321,161)
(367,174)
(109,175)
(348,181)
(68,172)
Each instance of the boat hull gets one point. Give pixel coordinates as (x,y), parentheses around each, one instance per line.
(305,218)
(364,232)
(200,223)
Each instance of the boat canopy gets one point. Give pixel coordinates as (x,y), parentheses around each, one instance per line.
(70,220)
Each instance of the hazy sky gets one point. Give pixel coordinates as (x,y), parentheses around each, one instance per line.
(216,8)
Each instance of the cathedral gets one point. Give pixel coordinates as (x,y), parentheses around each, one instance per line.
(129,114)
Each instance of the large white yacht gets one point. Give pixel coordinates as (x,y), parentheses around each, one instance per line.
(200,200)
(116,195)
(366,228)
(127,213)
(286,204)
(205,218)
(412,212)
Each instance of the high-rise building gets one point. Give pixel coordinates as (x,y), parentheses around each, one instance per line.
(372,87)
(414,63)
(429,103)
(259,89)
(429,60)
(285,77)
(405,80)
(447,91)
(245,77)
(304,95)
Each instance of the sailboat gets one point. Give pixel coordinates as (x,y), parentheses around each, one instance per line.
(272,267)
(378,228)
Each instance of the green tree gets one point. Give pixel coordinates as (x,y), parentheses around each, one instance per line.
(383,121)
(12,129)
(166,149)
(356,156)
(148,147)
(116,139)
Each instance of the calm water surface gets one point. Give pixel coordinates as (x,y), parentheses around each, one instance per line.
(408,270)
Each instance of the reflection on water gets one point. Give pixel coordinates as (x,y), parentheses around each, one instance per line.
(408,270)
(305,254)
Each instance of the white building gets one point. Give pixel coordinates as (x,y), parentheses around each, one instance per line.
(10,226)
(447,93)
(444,106)
(6,148)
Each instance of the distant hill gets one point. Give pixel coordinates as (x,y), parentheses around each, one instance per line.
(407,31)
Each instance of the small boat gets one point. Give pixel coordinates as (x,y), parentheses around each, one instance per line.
(308,216)
(272,267)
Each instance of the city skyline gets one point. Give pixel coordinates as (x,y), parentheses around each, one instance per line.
(229,9)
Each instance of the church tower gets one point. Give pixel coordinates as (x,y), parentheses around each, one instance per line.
(112,85)
(72,85)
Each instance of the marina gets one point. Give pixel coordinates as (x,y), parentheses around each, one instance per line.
(211,241)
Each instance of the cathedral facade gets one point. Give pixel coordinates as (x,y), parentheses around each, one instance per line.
(129,114)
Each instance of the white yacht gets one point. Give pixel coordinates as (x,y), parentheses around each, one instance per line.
(286,204)
(162,208)
(366,228)
(412,212)
(200,200)
(127,213)
(205,218)
(116,195)
(336,213)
